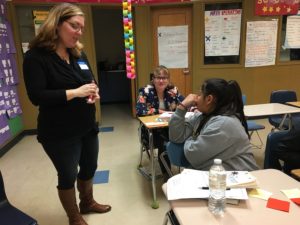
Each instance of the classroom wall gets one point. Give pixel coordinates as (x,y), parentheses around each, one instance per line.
(257,83)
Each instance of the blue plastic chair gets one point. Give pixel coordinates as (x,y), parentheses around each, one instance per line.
(254,127)
(283,96)
(176,156)
(10,215)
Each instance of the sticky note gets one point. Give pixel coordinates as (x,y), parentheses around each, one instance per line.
(293,194)
(277,204)
(259,193)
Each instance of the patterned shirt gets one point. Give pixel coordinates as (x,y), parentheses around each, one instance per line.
(148,102)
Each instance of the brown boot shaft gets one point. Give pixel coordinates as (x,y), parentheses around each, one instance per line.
(68,201)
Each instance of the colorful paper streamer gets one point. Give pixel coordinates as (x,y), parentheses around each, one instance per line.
(128,39)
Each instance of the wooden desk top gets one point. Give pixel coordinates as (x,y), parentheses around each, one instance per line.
(297,104)
(151,122)
(248,212)
(268,109)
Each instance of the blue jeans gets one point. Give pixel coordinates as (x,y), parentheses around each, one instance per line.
(66,157)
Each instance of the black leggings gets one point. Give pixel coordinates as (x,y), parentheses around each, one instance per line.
(67,156)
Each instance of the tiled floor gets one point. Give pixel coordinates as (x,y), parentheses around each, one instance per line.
(30,178)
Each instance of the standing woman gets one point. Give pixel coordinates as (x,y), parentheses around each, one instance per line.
(60,82)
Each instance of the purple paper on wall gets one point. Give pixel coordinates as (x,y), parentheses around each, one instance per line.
(5,133)
(15,77)
(2,61)
(2,103)
(9,70)
(2,8)
(2,45)
(10,37)
(6,98)
(11,101)
(3,28)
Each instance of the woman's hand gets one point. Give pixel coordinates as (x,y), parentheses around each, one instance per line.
(93,98)
(84,91)
(160,111)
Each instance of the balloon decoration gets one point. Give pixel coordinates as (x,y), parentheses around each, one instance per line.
(128,39)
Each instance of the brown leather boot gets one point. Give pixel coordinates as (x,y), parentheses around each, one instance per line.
(68,201)
(87,203)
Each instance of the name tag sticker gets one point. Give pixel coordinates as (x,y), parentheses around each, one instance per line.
(83,65)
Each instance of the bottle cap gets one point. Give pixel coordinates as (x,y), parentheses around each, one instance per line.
(217,161)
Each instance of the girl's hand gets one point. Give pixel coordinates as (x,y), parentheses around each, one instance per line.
(190,100)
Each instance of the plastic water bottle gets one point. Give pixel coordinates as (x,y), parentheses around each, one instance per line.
(217,188)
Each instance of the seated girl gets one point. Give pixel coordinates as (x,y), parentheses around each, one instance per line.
(218,130)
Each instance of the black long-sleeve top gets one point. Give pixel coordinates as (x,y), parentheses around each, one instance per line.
(47,77)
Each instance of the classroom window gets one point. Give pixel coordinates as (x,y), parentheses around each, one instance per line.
(287,52)
(222,33)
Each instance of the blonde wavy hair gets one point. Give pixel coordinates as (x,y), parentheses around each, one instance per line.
(47,35)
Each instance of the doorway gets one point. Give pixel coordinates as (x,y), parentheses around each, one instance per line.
(114,86)
(174,17)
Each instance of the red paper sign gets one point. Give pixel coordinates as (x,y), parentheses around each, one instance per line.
(276,7)
(296,200)
(277,204)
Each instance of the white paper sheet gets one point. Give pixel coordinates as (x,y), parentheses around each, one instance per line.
(261,42)
(189,183)
(173,46)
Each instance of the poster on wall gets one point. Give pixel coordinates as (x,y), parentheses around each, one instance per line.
(292,35)
(173,46)
(276,7)
(38,19)
(222,32)
(261,41)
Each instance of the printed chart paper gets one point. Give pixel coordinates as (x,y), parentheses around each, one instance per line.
(173,46)
(222,32)
(292,38)
(261,43)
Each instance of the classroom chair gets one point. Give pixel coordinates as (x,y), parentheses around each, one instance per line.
(254,127)
(176,156)
(283,96)
(170,217)
(10,215)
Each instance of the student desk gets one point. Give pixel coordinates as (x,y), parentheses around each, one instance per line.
(248,212)
(150,122)
(296,104)
(260,111)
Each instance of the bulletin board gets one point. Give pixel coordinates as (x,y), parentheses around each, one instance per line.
(10,109)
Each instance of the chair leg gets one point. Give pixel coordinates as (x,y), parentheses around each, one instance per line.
(166,219)
(259,138)
(162,158)
(172,218)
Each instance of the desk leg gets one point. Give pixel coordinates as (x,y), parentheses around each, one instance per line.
(155,203)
